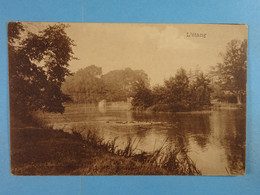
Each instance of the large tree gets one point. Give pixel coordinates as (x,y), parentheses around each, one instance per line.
(178,92)
(88,85)
(142,95)
(119,83)
(85,86)
(231,72)
(38,64)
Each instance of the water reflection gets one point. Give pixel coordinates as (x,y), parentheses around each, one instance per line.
(215,140)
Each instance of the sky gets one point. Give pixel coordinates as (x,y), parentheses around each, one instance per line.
(159,49)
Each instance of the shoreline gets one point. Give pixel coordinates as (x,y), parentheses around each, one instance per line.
(41,151)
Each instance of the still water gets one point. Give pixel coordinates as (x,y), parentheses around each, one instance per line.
(215,140)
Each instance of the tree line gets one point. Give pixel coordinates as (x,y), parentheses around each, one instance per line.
(89,85)
(179,93)
(182,92)
(226,82)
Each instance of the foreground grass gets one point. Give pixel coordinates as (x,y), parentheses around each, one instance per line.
(41,151)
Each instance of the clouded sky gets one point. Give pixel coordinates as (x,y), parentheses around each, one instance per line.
(158,49)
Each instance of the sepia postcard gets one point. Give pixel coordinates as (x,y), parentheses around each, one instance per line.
(127,99)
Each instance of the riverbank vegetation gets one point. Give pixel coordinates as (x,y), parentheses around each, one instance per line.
(42,151)
(179,93)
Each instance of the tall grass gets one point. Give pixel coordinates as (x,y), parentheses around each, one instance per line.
(172,158)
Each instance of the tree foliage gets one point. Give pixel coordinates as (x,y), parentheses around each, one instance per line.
(119,83)
(142,95)
(89,85)
(200,90)
(38,64)
(231,72)
(85,86)
(179,93)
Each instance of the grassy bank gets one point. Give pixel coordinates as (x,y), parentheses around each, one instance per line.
(41,151)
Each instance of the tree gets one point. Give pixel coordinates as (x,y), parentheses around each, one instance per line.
(119,83)
(178,92)
(88,85)
(231,72)
(142,95)
(85,86)
(38,64)
(159,94)
(200,91)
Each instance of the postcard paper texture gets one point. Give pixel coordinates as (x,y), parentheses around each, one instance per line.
(127,99)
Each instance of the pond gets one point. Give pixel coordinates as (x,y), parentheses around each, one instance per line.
(215,140)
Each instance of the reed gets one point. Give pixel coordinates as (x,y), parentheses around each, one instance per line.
(172,158)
